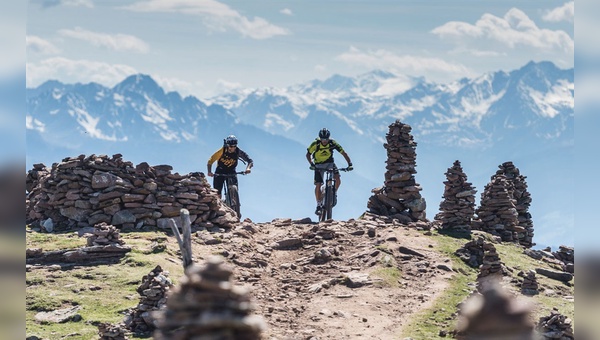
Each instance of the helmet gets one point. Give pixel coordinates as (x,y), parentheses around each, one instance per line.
(231,140)
(324,133)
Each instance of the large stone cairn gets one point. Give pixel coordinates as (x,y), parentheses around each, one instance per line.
(458,207)
(206,302)
(400,196)
(497,213)
(517,188)
(555,326)
(84,191)
(153,297)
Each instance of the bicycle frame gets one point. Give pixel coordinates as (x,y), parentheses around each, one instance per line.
(328,193)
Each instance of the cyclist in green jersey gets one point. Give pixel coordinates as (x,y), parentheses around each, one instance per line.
(320,155)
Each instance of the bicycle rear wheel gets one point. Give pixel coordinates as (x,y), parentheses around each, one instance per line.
(234,200)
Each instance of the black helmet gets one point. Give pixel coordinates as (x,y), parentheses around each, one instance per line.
(324,134)
(231,140)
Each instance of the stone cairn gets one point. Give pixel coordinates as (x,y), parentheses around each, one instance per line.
(108,331)
(400,196)
(518,190)
(84,191)
(153,297)
(472,252)
(458,207)
(555,326)
(494,314)
(567,256)
(104,234)
(497,213)
(491,261)
(207,303)
(530,284)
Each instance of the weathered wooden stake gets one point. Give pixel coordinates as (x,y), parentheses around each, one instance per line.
(185,244)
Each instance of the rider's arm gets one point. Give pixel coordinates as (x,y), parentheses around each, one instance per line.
(213,159)
(309,159)
(347,158)
(244,156)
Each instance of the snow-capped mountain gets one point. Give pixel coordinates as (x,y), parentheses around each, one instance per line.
(524,115)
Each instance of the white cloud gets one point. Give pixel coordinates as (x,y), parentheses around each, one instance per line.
(513,30)
(34,124)
(565,12)
(215,15)
(405,64)
(286,11)
(117,42)
(36,44)
(84,71)
(320,68)
(69,3)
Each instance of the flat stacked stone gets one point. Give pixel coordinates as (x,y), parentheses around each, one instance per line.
(497,213)
(104,234)
(153,297)
(518,190)
(530,285)
(400,196)
(567,256)
(458,207)
(108,331)
(84,191)
(555,326)
(207,303)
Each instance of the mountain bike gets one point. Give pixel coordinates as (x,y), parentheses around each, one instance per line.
(230,191)
(328,195)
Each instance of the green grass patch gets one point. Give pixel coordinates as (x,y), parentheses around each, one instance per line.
(389,276)
(55,241)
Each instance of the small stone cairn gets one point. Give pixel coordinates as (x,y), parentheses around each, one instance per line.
(108,331)
(153,297)
(84,191)
(104,234)
(491,261)
(207,303)
(472,252)
(567,256)
(518,190)
(555,326)
(458,207)
(400,196)
(530,284)
(497,213)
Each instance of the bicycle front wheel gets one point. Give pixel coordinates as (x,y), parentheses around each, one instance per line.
(328,206)
(234,200)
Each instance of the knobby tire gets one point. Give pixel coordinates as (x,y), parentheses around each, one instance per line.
(328,206)
(234,200)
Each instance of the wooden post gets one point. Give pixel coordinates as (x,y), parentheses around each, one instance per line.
(185,243)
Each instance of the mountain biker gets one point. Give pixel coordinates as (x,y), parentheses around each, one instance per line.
(320,156)
(227,158)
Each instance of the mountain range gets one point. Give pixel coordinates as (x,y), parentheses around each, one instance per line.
(524,115)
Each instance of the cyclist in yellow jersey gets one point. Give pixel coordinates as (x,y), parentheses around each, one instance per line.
(227,160)
(319,155)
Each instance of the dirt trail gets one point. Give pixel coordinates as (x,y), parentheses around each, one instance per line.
(334,280)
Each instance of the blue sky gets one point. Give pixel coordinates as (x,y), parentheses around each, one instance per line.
(206,47)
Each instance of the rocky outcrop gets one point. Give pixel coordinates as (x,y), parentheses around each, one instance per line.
(567,256)
(400,196)
(555,326)
(458,207)
(84,191)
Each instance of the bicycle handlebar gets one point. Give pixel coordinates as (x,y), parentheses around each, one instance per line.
(231,175)
(331,169)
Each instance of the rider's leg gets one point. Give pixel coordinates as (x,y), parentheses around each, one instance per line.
(318,192)
(338,181)
(218,184)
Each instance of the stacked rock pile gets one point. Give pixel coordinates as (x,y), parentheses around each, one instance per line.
(400,196)
(517,188)
(491,261)
(108,331)
(458,207)
(84,191)
(207,303)
(497,213)
(567,256)
(104,234)
(530,284)
(153,296)
(472,252)
(555,326)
